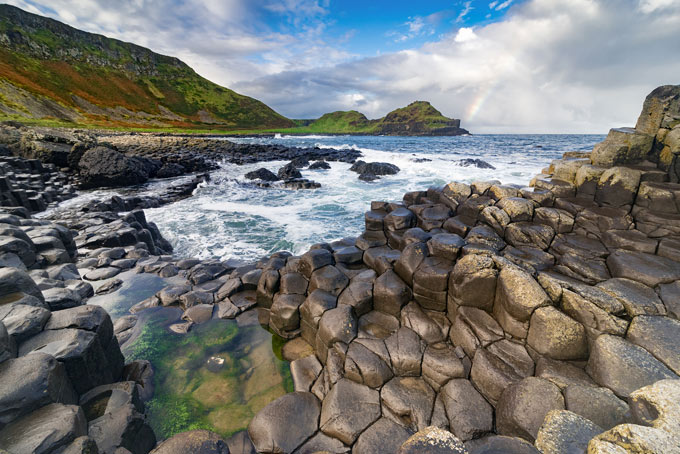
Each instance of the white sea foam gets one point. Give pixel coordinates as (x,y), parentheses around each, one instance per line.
(231,218)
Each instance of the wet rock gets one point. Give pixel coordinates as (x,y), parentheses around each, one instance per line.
(121,425)
(469,414)
(406,351)
(647,269)
(624,367)
(196,297)
(480,164)
(441,364)
(382,436)
(44,430)
(598,405)
(37,379)
(364,366)
(14,282)
(358,295)
(409,261)
(499,444)
(564,432)
(194,441)
(322,443)
(319,165)
(374,168)
(329,279)
(80,351)
(289,172)
(408,401)
(433,440)
(524,405)
(336,325)
(314,260)
(226,310)
(22,248)
(304,372)
(348,409)
(102,273)
(109,287)
(22,321)
(473,282)
(199,313)
(141,373)
(284,314)
(400,219)
(283,425)
(82,445)
(390,293)
(101,166)
(262,174)
(556,335)
(7,345)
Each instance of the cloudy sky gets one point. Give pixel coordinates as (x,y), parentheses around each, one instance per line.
(501,66)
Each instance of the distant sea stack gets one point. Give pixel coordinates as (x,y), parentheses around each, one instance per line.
(419,118)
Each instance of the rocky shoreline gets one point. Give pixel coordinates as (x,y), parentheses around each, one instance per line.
(472,319)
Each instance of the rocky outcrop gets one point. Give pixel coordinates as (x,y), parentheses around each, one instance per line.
(62,367)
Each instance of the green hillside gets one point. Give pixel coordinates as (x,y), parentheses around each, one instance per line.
(418,118)
(52,72)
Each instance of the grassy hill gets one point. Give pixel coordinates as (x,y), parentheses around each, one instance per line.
(418,118)
(50,72)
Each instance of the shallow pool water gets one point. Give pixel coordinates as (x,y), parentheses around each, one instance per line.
(217,376)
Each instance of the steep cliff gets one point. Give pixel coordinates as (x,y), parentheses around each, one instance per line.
(50,71)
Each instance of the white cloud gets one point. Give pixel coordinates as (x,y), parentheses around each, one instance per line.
(649,6)
(465,11)
(550,66)
(465,34)
(503,5)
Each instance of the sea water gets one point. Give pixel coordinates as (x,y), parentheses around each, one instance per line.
(231,218)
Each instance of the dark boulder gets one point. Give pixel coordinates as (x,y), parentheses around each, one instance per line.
(369,171)
(101,166)
(170,169)
(469,162)
(262,174)
(289,172)
(286,423)
(45,430)
(319,165)
(36,380)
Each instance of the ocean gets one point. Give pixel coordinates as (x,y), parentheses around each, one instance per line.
(231,218)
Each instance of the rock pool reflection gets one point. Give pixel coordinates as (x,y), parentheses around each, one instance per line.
(217,377)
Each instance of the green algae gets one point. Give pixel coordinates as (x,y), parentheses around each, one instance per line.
(190,394)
